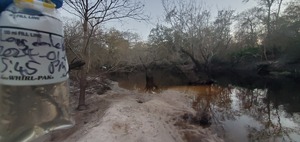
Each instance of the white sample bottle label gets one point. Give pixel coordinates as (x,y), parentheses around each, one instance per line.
(31,53)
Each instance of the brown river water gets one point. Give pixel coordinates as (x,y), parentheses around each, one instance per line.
(264,110)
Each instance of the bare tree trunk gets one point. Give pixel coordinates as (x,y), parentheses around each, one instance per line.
(195,61)
(253,40)
(278,10)
(95,12)
(268,38)
(82,85)
(150,85)
(83,72)
(267,42)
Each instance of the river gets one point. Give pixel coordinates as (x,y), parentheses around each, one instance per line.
(264,109)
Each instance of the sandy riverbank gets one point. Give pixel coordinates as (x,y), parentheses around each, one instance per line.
(121,115)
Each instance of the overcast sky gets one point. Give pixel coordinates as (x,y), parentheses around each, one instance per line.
(155,10)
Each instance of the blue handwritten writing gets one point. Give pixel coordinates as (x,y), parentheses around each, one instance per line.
(55,63)
(19,57)
(5,64)
(16,53)
(57,45)
(19,42)
(51,44)
(38,43)
(27,69)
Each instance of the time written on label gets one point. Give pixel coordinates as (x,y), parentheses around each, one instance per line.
(38,58)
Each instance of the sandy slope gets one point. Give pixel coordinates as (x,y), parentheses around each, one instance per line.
(127,116)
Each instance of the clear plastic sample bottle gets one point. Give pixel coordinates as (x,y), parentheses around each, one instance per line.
(34,89)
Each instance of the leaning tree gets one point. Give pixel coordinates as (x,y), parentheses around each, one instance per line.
(195,33)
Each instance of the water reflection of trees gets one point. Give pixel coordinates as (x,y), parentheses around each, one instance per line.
(215,100)
(257,104)
(252,102)
(228,103)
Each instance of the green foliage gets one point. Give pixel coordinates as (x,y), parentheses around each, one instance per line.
(246,55)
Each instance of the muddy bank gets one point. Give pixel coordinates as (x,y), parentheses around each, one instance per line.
(120,115)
